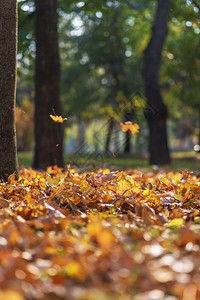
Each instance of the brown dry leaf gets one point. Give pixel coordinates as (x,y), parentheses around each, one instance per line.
(3,203)
(148,214)
(125,233)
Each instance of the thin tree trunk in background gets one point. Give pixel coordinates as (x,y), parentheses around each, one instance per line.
(127,148)
(117,129)
(199,130)
(48,134)
(156,111)
(8,52)
(81,134)
(128,117)
(109,134)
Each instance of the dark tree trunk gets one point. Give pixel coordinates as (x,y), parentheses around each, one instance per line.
(156,111)
(8,51)
(128,116)
(48,134)
(127,148)
(109,134)
(199,130)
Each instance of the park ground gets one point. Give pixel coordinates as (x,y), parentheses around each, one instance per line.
(122,232)
(189,160)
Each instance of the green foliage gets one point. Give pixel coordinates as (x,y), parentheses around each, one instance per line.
(26,42)
(181,59)
(101,49)
(104,45)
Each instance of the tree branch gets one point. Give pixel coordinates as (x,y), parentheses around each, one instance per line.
(196,4)
(139,7)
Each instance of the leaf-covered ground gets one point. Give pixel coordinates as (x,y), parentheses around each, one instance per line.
(106,235)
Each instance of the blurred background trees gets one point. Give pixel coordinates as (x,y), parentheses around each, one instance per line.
(102,57)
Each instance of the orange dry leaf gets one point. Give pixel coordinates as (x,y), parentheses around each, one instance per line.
(116,232)
(58,119)
(129,126)
(102,235)
(21,110)
(11,178)
(11,295)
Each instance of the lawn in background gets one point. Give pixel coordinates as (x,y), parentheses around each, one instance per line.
(180,160)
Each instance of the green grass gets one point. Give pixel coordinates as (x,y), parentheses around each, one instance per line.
(25,159)
(180,161)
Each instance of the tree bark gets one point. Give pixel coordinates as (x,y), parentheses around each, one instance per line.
(8,51)
(128,117)
(109,134)
(48,134)
(156,111)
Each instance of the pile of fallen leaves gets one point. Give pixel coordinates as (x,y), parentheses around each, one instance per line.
(105,235)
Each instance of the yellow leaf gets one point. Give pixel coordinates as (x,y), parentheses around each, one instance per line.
(178,222)
(105,239)
(145,192)
(94,229)
(129,126)
(29,199)
(75,270)
(103,236)
(11,295)
(58,119)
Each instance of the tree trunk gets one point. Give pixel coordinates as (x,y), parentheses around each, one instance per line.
(48,134)
(8,51)
(81,134)
(128,117)
(199,130)
(117,130)
(127,148)
(109,134)
(156,111)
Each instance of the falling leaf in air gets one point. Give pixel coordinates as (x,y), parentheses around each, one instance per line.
(129,126)
(21,110)
(58,119)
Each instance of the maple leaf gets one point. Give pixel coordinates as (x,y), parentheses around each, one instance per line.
(129,126)
(58,119)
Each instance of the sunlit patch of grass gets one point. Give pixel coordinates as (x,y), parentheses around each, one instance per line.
(25,159)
